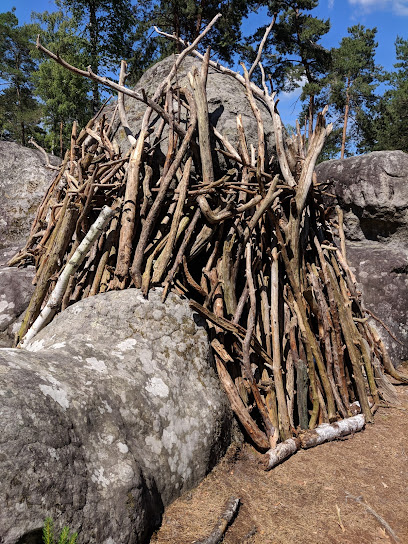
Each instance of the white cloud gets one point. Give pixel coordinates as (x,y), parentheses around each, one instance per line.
(295,94)
(331,4)
(399,7)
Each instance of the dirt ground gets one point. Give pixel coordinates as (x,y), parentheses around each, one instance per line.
(304,500)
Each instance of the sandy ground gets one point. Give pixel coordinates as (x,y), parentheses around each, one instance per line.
(304,500)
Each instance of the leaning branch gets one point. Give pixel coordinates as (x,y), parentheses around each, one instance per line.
(142,97)
(76,260)
(222,524)
(262,45)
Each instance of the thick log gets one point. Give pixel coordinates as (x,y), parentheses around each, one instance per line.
(323,433)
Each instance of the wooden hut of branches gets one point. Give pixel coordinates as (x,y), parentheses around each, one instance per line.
(253,248)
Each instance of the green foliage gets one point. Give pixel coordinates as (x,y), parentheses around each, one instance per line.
(353,79)
(108,28)
(186,19)
(64,538)
(20,112)
(385,124)
(66,96)
(354,69)
(293,57)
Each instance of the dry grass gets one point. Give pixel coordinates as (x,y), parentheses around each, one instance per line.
(300,500)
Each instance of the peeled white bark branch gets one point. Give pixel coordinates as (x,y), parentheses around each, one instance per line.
(323,433)
(54,302)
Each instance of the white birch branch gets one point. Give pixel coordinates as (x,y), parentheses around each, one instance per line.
(323,433)
(54,302)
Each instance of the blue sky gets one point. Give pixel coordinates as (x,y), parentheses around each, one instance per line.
(389,16)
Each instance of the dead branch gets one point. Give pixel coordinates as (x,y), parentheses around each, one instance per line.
(219,530)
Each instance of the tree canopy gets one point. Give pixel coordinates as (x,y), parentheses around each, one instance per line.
(39,98)
(20,111)
(353,78)
(62,91)
(293,56)
(385,124)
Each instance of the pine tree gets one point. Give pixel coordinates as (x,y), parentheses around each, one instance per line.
(354,77)
(108,26)
(385,124)
(66,96)
(186,19)
(20,112)
(293,57)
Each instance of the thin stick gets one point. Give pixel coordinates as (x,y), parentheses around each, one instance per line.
(165,256)
(262,45)
(371,510)
(277,365)
(270,430)
(47,159)
(154,210)
(369,312)
(218,532)
(121,105)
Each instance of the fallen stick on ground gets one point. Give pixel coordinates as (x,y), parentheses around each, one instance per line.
(361,501)
(323,433)
(219,530)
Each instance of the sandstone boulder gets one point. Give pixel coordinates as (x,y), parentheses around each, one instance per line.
(112,412)
(24,178)
(226,99)
(16,289)
(372,190)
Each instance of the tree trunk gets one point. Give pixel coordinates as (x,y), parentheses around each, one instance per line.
(346,115)
(23,134)
(311,114)
(61,143)
(93,38)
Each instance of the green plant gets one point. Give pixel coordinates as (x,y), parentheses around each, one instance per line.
(64,538)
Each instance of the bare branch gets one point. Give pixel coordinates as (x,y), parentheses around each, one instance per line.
(121,105)
(262,45)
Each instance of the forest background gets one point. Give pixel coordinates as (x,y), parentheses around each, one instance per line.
(350,54)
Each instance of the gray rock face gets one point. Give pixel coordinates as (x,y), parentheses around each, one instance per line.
(373,192)
(16,289)
(226,99)
(23,182)
(112,413)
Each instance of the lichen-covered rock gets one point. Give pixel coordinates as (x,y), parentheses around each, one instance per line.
(24,179)
(226,99)
(372,190)
(112,412)
(16,289)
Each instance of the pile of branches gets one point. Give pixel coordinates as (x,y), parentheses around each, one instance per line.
(253,247)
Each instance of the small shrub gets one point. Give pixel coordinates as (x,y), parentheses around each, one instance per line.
(64,538)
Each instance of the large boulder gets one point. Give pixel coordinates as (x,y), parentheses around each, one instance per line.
(226,99)
(24,178)
(372,190)
(16,289)
(112,412)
